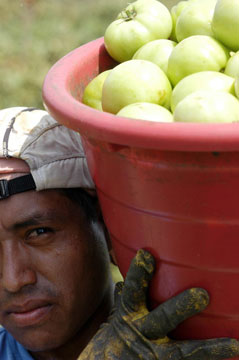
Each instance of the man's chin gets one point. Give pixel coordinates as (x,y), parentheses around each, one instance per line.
(39,339)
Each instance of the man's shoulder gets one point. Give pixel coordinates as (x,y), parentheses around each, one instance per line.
(10,349)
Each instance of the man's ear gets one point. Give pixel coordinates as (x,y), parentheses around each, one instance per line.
(113,257)
(109,244)
(115,272)
(107,235)
(102,223)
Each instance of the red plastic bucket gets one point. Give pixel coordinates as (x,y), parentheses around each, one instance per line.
(170,188)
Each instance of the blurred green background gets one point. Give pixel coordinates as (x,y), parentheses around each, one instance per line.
(34,34)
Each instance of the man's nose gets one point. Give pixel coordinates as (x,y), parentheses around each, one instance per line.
(16,268)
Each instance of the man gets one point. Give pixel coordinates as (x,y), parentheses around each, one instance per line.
(56,292)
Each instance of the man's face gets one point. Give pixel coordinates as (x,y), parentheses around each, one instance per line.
(53,273)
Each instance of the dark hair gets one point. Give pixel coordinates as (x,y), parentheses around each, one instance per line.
(87,202)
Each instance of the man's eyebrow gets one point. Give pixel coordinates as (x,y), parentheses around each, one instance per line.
(35,219)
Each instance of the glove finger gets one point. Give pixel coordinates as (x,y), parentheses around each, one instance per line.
(213,349)
(137,280)
(167,316)
(117,293)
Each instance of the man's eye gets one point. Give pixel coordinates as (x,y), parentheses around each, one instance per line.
(38,232)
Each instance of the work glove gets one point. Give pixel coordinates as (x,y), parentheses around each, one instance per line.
(132,332)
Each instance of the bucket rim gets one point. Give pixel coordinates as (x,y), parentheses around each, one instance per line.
(91,123)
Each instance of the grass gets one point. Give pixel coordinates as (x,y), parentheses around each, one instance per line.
(34,34)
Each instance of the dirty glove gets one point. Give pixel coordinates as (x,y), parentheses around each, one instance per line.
(132,332)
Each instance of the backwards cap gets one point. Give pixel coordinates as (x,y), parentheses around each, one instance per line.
(53,153)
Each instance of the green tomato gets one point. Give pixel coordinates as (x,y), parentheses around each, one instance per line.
(156,51)
(135,81)
(195,19)
(146,111)
(194,54)
(175,12)
(232,67)
(225,23)
(204,80)
(205,106)
(93,91)
(237,87)
(142,21)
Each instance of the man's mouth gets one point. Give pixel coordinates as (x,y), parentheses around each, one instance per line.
(30,313)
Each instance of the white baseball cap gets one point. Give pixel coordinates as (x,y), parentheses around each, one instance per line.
(52,155)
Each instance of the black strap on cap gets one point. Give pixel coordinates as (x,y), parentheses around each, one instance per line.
(16,185)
